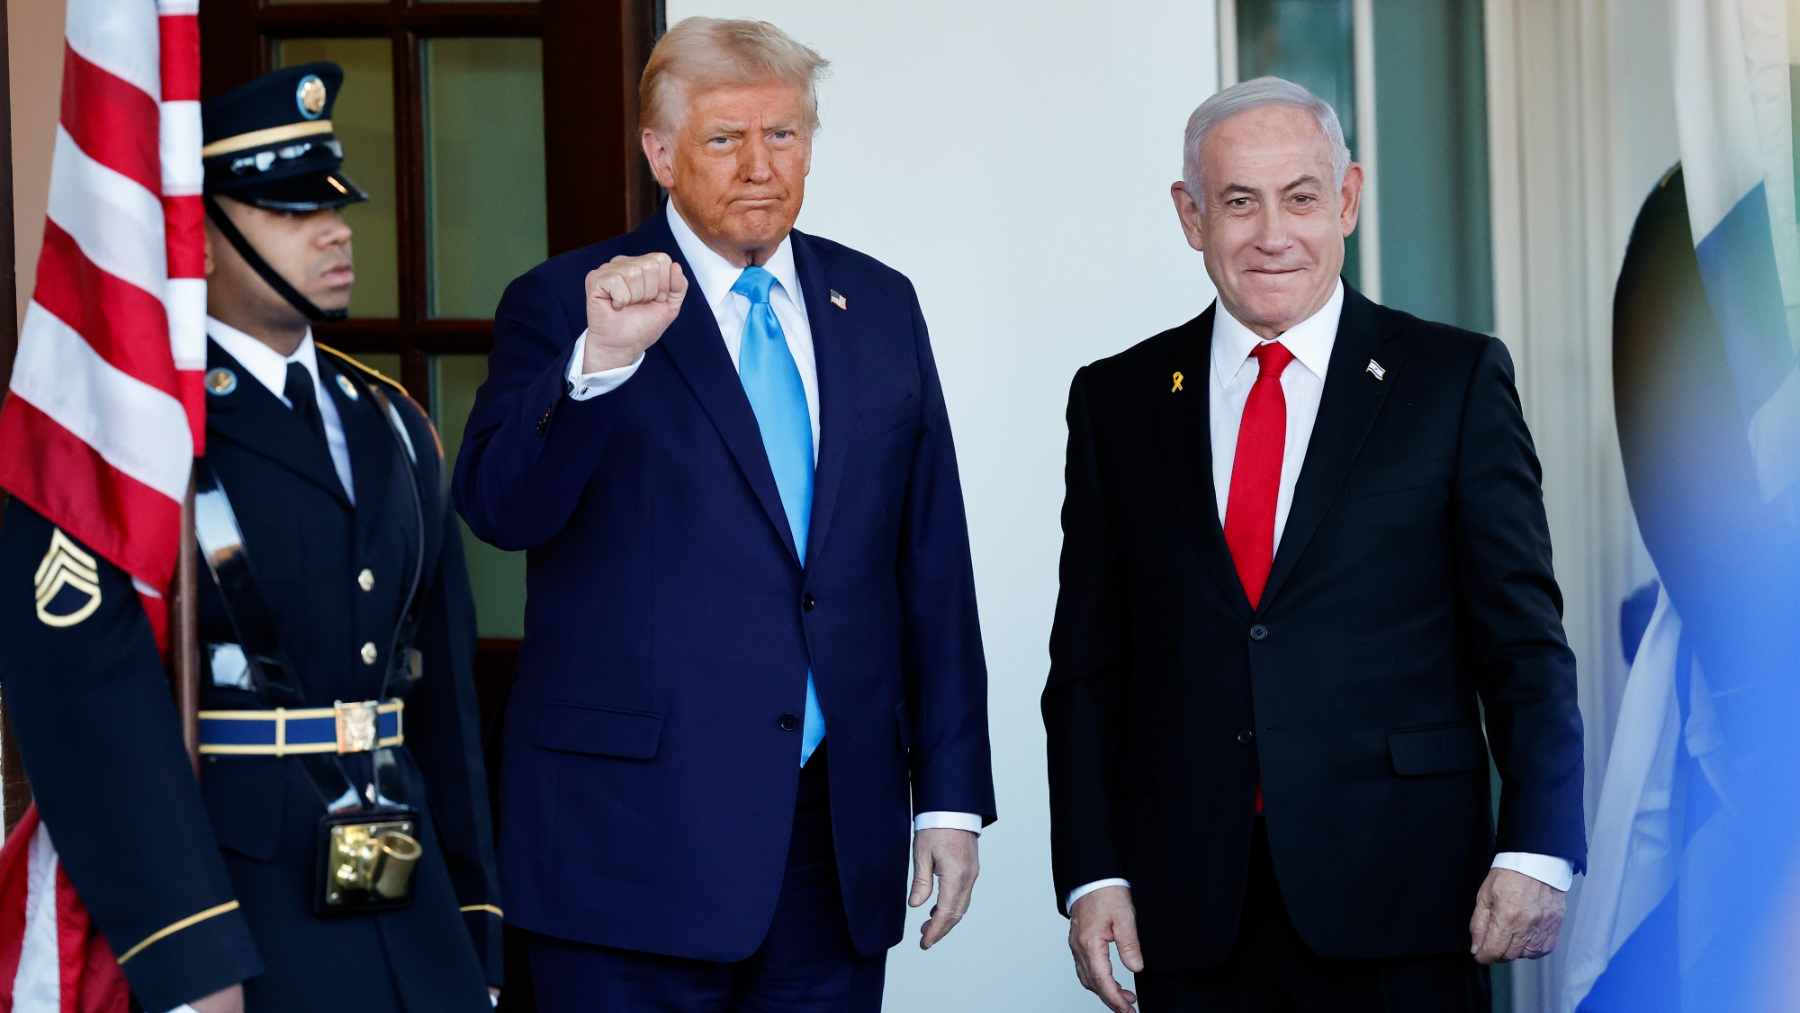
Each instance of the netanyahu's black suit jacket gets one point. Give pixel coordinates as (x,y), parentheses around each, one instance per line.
(1411,597)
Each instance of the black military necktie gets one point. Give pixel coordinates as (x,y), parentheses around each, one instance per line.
(299,392)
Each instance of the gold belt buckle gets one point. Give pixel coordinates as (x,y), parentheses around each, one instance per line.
(357,730)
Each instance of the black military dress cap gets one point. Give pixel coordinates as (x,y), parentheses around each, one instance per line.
(269,142)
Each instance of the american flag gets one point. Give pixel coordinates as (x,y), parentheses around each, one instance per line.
(106,410)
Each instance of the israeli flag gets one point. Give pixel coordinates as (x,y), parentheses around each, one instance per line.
(1734,115)
(1654,854)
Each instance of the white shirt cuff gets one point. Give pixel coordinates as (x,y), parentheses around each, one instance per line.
(1556,873)
(948,821)
(1082,891)
(587,385)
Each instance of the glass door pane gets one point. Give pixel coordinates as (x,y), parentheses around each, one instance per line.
(1431,114)
(484,169)
(363,119)
(497,576)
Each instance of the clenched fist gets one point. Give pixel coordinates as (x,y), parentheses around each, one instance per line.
(631,301)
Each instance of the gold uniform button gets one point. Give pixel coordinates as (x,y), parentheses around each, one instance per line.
(366,580)
(369,653)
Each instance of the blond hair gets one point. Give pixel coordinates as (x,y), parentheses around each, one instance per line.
(701,53)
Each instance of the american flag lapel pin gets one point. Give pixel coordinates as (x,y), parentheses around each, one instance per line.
(838,300)
(1376,370)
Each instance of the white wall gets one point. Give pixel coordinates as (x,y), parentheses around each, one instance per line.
(34,37)
(1013,158)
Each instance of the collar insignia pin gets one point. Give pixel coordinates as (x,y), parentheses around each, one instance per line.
(1178,379)
(221,381)
(347,387)
(839,301)
(1376,370)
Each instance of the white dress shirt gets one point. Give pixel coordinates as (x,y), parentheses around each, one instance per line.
(269,368)
(1232,374)
(713,277)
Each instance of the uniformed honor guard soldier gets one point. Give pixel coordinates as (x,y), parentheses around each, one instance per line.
(336,852)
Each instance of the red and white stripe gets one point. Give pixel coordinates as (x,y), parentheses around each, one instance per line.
(51,958)
(107,409)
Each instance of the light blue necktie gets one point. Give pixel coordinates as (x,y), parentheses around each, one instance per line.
(772,382)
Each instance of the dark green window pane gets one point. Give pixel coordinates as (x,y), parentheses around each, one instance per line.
(498,577)
(385,363)
(363,119)
(1431,111)
(484,169)
(1313,44)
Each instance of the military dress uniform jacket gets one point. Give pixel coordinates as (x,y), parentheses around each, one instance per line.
(197,886)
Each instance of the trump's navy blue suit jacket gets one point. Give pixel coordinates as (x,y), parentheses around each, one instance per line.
(648,782)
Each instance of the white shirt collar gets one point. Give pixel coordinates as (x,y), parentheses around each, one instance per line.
(1310,340)
(265,363)
(715,275)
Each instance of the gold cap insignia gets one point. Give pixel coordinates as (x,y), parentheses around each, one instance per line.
(221,381)
(347,387)
(66,566)
(310,96)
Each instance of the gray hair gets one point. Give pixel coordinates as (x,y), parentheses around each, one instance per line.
(1258,93)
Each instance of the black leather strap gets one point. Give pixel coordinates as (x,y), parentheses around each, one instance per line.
(229,230)
(272,672)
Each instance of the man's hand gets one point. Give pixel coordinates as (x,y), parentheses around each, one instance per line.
(1098,918)
(1515,916)
(226,1000)
(951,856)
(631,301)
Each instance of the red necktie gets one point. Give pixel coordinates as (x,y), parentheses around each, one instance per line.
(1256,479)
(1256,473)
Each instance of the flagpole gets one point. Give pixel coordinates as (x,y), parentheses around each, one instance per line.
(184,636)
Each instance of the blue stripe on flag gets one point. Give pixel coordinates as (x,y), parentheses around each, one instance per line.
(1737,263)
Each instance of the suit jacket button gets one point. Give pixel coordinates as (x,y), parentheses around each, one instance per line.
(788,722)
(1245,736)
(1259,632)
(370,653)
(807,602)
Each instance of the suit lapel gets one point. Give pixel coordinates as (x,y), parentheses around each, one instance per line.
(371,446)
(693,344)
(1352,398)
(256,420)
(1184,426)
(835,353)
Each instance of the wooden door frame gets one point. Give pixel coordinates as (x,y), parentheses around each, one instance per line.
(579,161)
(13,786)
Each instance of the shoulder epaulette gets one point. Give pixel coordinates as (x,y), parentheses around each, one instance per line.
(369,372)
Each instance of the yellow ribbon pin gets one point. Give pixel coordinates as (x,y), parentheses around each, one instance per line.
(1177,382)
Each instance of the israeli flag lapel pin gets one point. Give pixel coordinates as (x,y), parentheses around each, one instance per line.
(1376,370)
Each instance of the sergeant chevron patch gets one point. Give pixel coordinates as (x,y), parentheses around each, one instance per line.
(66,567)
